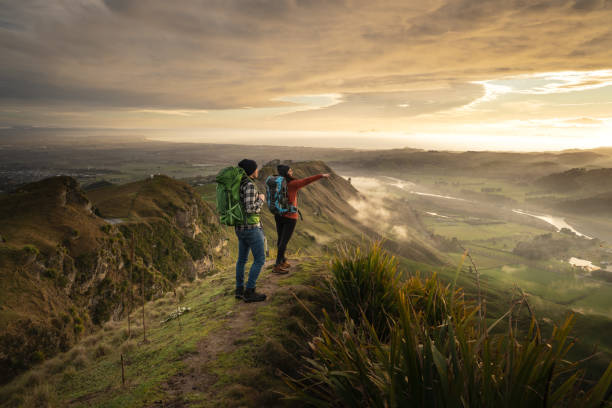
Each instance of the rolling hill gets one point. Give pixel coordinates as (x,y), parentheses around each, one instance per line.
(578,180)
(517,166)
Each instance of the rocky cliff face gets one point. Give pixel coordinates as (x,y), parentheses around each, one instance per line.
(66,257)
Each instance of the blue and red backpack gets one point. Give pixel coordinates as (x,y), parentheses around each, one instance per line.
(276,196)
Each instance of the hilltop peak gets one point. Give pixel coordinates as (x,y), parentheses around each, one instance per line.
(60,190)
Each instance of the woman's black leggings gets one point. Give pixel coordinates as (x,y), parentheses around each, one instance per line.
(284,230)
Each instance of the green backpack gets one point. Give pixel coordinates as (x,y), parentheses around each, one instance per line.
(228,195)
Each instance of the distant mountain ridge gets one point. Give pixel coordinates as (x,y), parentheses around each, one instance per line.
(578,179)
(529,166)
(598,205)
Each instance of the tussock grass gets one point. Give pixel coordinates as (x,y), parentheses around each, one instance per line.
(137,332)
(12,395)
(69,373)
(129,346)
(55,365)
(101,350)
(423,345)
(76,351)
(110,326)
(153,314)
(119,337)
(91,340)
(366,283)
(42,396)
(34,377)
(80,361)
(167,300)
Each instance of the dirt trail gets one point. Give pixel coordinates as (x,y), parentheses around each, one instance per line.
(237,325)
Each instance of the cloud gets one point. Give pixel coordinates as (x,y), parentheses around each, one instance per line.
(396,104)
(388,59)
(585,121)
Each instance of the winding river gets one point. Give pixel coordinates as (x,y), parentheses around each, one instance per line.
(557,222)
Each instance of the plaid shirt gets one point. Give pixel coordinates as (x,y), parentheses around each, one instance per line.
(249,195)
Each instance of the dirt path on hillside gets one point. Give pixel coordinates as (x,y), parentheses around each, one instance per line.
(237,325)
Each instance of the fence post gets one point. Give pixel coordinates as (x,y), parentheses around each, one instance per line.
(122,371)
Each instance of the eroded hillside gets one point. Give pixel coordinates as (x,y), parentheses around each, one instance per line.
(66,258)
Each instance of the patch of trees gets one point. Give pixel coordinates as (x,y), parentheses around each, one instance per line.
(602,275)
(547,246)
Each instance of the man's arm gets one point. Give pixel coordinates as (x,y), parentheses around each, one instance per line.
(252,200)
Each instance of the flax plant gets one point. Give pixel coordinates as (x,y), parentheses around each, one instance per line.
(423,345)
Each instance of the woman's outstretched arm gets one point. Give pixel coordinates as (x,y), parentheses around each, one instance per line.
(306,181)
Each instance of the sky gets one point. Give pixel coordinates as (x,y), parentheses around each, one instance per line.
(441,74)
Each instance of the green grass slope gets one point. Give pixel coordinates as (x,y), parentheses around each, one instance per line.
(222,352)
(64,269)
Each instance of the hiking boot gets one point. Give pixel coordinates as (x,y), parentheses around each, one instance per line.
(286,265)
(279,269)
(239,293)
(251,296)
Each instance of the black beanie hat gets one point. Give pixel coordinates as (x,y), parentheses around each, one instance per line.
(283,169)
(248,165)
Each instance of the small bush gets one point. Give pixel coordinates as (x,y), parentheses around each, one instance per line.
(34,378)
(41,397)
(12,395)
(75,352)
(153,314)
(91,340)
(120,336)
(78,357)
(110,325)
(51,273)
(101,350)
(69,373)
(137,332)
(30,250)
(129,346)
(54,365)
(80,362)
(78,328)
(169,299)
(37,357)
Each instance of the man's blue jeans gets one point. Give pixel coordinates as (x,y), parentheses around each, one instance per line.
(251,239)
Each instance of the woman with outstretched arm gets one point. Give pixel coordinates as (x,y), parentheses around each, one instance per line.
(285,224)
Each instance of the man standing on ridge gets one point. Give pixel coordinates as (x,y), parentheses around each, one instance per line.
(250,234)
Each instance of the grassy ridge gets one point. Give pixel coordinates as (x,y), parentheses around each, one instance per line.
(65,270)
(235,368)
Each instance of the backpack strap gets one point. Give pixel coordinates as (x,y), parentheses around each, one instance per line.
(243,181)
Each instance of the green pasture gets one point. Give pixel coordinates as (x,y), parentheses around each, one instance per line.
(453,185)
(466,229)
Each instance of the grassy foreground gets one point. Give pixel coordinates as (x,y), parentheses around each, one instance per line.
(419,342)
(353,332)
(222,352)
